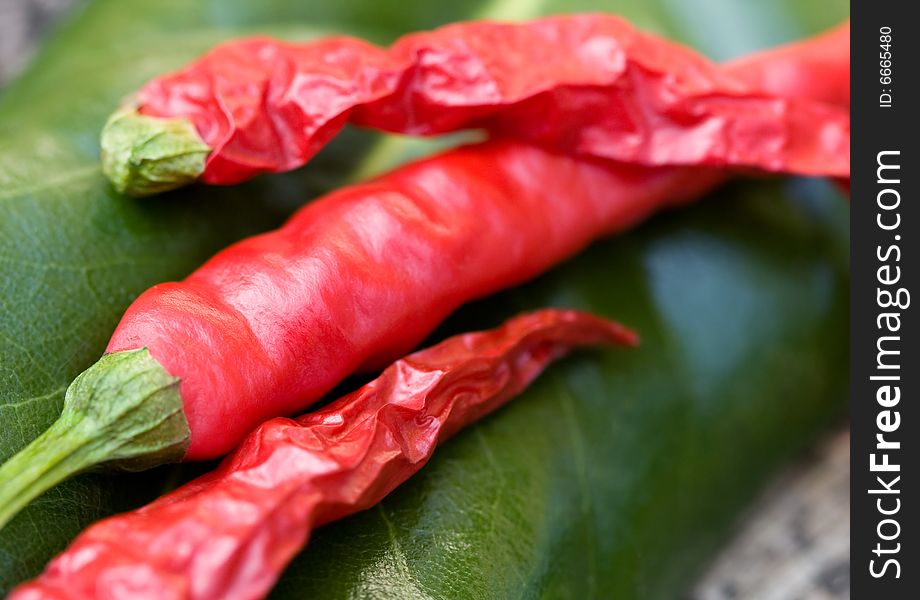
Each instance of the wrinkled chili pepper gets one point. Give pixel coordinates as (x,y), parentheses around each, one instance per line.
(585,84)
(352,281)
(230,533)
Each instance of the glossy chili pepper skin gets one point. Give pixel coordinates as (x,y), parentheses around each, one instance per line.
(358,278)
(230,533)
(585,84)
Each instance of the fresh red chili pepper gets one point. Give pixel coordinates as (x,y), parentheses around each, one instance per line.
(230,533)
(360,277)
(353,281)
(585,84)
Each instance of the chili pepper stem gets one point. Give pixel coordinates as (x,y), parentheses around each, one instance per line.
(41,465)
(125,410)
(144,155)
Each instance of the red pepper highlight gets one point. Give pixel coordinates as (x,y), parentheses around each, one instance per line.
(230,533)
(586,84)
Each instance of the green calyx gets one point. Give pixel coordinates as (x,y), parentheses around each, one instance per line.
(144,155)
(125,411)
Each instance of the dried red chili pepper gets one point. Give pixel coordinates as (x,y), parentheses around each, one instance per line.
(352,281)
(230,533)
(817,68)
(585,84)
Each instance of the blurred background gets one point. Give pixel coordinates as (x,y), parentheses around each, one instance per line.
(793,544)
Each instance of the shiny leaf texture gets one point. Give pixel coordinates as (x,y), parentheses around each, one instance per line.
(73,254)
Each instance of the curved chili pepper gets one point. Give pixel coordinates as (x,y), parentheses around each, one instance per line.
(585,84)
(352,281)
(256,511)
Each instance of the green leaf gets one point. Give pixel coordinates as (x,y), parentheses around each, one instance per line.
(659,447)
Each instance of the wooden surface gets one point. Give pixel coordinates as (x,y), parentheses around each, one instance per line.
(794,542)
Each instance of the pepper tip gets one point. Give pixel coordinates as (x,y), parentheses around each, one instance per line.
(143,155)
